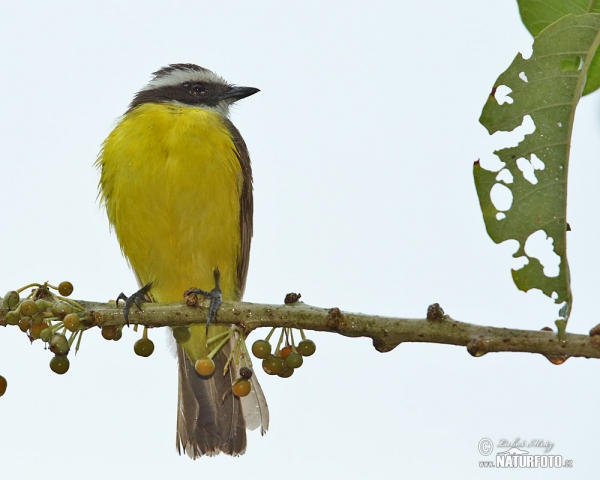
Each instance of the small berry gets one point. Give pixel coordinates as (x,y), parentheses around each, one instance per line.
(60,309)
(143,347)
(241,388)
(38,318)
(306,347)
(24,323)
(29,308)
(273,365)
(109,332)
(59,364)
(285,351)
(294,360)
(46,334)
(3,385)
(12,318)
(261,349)
(11,300)
(65,288)
(36,329)
(42,305)
(246,373)
(181,334)
(205,366)
(71,322)
(58,344)
(287,372)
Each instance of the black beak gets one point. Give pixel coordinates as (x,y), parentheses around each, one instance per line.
(237,93)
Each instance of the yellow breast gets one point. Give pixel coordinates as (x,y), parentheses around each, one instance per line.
(171,181)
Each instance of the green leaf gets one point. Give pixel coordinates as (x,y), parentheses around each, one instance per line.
(539,14)
(547,87)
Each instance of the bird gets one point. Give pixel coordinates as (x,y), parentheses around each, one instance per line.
(176,182)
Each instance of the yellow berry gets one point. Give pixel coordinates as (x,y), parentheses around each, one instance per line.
(241,388)
(29,308)
(24,323)
(71,322)
(35,330)
(65,288)
(205,366)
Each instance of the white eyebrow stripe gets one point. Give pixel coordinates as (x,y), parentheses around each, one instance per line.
(177,77)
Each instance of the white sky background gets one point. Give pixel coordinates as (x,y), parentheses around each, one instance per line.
(362,140)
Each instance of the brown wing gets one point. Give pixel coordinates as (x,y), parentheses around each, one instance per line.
(246,206)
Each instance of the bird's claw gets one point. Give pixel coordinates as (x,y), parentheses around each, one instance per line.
(215,296)
(136,299)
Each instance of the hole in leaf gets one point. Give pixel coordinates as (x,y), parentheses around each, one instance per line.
(571,63)
(523,77)
(540,246)
(500,216)
(537,163)
(502,139)
(501,197)
(502,95)
(505,176)
(528,171)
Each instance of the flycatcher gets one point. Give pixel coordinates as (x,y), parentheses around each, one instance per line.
(176,182)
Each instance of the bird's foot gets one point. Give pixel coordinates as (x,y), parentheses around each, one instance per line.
(139,297)
(215,296)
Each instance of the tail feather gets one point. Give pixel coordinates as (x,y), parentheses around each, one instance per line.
(209,418)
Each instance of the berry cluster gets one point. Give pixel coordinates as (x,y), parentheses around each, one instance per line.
(286,358)
(205,366)
(47,316)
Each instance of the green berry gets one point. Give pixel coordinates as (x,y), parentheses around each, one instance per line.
(42,305)
(59,364)
(294,360)
(12,318)
(65,288)
(306,347)
(46,334)
(60,309)
(109,332)
(181,334)
(29,308)
(261,349)
(59,344)
(287,372)
(38,318)
(11,300)
(273,365)
(143,347)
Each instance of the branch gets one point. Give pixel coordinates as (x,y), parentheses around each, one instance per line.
(386,332)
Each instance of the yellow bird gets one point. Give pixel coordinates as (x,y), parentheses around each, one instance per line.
(176,182)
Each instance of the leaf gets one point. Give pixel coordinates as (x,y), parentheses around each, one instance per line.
(539,14)
(547,87)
